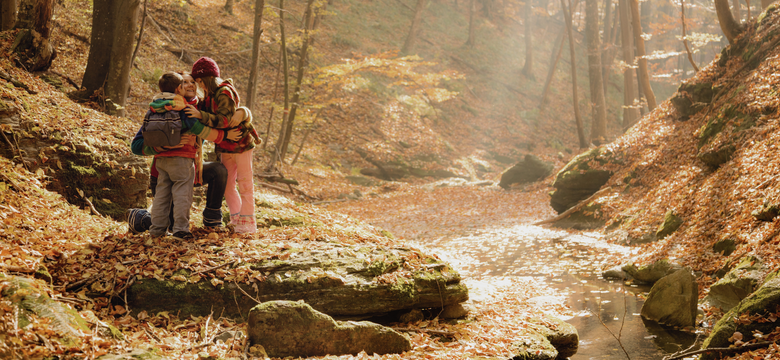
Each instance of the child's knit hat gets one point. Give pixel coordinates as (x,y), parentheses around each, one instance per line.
(205,66)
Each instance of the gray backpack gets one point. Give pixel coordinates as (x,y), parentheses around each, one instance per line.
(161,129)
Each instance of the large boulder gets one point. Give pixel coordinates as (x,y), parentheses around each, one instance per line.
(762,302)
(529,170)
(292,328)
(737,284)
(533,346)
(562,335)
(651,273)
(673,300)
(339,280)
(578,180)
(692,98)
(670,224)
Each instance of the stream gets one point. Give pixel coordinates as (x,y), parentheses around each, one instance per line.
(603,310)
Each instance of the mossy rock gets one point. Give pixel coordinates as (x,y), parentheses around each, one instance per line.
(717,157)
(736,284)
(727,115)
(577,180)
(692,98)
(725,246)
(562,335)
(767,212)
(529,170)
(336,280)
(30,297)
(762,302)
(671,223)
(651,273)
(533,346)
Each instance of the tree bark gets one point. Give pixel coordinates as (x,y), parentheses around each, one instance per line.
(253,69)
(736,8)
(528,68)
(286,88)
(555,56)
(118,76)
(728,25)
(630,112)
(302,63)
(416,20)
(32,43)
(599,124)
(8,16)
(101,39)
(573,58)
(685,41)
(472,10)
(644,75)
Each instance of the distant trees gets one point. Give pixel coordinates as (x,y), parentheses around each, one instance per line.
(639,42)
(528,68)
(253,69)
(411,38)
(114,24)
(573,61)
(630,112)
(472,9)
(599,127)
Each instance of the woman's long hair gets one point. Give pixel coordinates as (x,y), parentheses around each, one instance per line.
(211,84)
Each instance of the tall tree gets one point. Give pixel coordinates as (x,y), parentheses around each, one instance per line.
(253,70)
(308,23)
(639,42)
(472,10)
(555,56)
(599,128)
(528,68)
(114,24)
(684,37)
(730,27)
(8,16)
(574,95)
(286,91)
(736,8)
(630,112)
(414,29)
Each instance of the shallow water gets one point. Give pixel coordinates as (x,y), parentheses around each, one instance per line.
(603,310)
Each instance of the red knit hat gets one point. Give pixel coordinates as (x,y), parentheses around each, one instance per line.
(205,66)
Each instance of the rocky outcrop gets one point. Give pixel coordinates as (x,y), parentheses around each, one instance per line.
(577,180)
(116,181)
(670,224)
(673,300)
(737,284)
(562,335)
(291,328)
(650,274)
(529,170)
(762,302)
(338,280)
(692,98)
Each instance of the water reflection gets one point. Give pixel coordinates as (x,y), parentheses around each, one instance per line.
(603,310)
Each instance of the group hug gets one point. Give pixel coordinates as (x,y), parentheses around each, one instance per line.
(192,107)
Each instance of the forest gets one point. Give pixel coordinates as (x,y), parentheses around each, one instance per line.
(389,179)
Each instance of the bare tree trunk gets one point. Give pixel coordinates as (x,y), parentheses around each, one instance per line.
(416,20)
(253,70)
(8,17)
(573,61)
(308,23)
(529,51)
(630,112)
(34,15)
(286,89)
(118,77)
(599,127)
(471,42)
(685,40)
(607,48)
(736,8)
(229,6)
(728,25)
(555,56)
(644,75)
(140,34)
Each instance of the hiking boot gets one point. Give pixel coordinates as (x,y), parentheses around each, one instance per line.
(138,221)
(183,235)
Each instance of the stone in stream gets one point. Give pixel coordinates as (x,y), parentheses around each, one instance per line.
(651,273)
(293,328)
(673,300)
(762,302)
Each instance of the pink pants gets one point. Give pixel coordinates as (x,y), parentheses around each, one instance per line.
(241,202)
